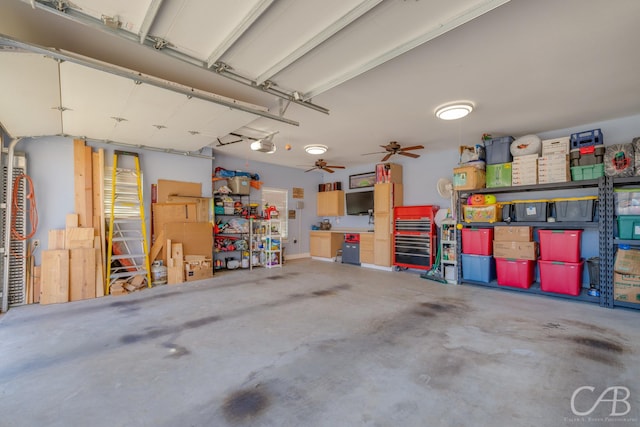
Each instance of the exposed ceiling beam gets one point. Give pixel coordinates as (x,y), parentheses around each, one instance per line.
(431,34)
(149,17)
(318,39)
(237,32)
(84,19)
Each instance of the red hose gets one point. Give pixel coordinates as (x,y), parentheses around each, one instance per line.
(17,209)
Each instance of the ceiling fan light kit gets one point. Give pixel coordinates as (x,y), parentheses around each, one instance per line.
(454,111)
(315,149)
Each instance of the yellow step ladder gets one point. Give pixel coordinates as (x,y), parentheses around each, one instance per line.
(127,240)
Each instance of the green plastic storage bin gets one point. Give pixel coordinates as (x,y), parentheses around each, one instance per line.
(629,227)
(580,173)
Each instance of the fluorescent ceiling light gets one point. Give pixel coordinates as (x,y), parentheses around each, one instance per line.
(315,149)
(454,111)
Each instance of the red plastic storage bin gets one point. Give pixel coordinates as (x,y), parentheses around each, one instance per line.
(561,277)
(518,273)
(477,241)
(560,245)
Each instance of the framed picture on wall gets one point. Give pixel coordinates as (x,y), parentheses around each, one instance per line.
(362,180)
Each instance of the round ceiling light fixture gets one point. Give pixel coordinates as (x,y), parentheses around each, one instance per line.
(315,149)
(455,110)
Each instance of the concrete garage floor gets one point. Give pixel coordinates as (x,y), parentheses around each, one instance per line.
(318,344)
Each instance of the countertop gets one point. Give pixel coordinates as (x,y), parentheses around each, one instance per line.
(346,230)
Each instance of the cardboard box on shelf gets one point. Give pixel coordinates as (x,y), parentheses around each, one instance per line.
(511,233)
(515,250)
(468,178)
(627,262)
(556,146)
(498,175)
(626,287)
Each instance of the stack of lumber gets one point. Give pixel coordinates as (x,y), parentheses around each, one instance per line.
(125,286)
(73,266)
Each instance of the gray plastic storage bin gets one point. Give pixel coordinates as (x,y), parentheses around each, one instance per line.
(498,150)
(575,209)
(531,210)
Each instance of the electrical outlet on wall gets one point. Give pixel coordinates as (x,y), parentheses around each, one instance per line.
(36,243)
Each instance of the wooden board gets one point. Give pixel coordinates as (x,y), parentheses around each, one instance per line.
(98,247)
(168,188)
(82,274)
(83,185)
(56,239)
(37,277)
(79,237)
(177,253)
(157,246)
(98,211)
(72,221)
(54,280)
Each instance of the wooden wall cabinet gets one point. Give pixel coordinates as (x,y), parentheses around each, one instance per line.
(386,197)
(330,203)
(325,244)
(367,248)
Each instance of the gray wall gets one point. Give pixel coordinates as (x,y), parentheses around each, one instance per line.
(285,178)
(50,164)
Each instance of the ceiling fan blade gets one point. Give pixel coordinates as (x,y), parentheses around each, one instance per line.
(309,170)
(415,156)
(415,147)
(385,158)
(375,152)
(327,169)
(334,167)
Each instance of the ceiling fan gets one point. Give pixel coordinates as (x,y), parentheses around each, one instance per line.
(322,165)
(394,148)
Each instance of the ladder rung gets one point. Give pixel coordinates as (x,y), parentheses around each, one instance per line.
(126,256)
(127,239)
(127,274)
(126,220)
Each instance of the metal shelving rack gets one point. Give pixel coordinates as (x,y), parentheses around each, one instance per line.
(613,242)
(604,227)
(448,248)
(233,234)
(273,253)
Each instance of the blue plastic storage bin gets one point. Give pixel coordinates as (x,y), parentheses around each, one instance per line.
(478,268)
(587,138)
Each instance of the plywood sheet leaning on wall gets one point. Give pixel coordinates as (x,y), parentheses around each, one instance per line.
(83,182)
(55,276)
(82,275)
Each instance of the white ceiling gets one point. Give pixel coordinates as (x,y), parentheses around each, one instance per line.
(379,67)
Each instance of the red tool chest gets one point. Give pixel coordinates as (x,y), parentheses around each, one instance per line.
(414,236)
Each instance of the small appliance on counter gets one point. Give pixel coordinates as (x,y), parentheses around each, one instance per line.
(325,225)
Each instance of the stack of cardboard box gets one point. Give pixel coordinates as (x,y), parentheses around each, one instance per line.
(626,276)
